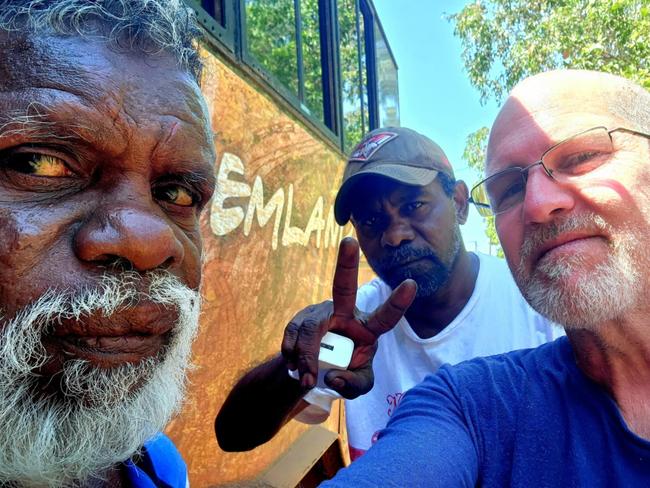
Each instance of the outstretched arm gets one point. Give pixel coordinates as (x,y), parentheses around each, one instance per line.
(267,397)
(261,402)
(428,442)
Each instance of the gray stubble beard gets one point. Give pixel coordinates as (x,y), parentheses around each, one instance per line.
(596,295)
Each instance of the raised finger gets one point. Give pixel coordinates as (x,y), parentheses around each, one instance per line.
(288,347)
(393,309)
(344,288)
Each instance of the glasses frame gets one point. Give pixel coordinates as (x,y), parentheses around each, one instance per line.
(485,209)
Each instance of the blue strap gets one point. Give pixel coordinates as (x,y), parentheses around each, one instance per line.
(161,466)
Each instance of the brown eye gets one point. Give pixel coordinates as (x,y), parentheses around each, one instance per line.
(42,165)
(412,207)
(176,195)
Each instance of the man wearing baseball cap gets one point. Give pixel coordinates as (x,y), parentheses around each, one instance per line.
(432,303)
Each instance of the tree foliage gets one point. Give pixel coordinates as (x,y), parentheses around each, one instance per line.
(271,37)
(504,41)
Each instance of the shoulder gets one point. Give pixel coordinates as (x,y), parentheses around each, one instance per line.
(494,276)
(162,462)
(492,264)
(507,302)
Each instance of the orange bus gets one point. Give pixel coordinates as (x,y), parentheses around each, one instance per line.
(292,85)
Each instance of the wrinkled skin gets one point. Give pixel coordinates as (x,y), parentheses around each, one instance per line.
(108,169)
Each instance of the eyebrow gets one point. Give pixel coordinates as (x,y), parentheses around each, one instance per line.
(44,124)
(194,177)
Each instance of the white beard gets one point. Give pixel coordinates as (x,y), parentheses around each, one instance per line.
(568,292)
(103,416)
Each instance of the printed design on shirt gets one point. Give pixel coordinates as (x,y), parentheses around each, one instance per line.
(367,148)
(356,453)
(393,401)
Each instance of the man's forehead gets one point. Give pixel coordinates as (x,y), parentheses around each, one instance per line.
(90,68)
(537,115)
(28,61)
(111,108)
(47,76)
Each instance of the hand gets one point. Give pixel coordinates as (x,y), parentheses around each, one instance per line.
(302,336)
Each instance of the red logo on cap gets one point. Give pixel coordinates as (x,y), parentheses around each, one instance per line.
(367,148)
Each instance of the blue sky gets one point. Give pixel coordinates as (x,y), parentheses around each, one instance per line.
(436,97)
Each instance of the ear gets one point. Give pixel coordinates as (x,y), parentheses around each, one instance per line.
(461,197)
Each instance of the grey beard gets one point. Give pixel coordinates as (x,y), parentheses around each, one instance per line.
(103,416)
(603,293)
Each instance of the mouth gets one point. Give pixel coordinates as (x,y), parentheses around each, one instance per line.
(571,243)
(110,351)
(127,336)
(409,262)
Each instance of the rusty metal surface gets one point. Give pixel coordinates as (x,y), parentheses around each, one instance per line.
(258,270)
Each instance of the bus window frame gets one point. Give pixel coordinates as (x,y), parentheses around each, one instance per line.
(224,34)
(231,41)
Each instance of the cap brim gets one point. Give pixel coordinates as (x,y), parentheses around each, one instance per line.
(409,175)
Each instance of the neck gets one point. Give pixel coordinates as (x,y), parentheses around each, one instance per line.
(616,355)
(431,314)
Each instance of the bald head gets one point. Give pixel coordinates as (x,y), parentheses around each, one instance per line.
(574,99)
(621,96)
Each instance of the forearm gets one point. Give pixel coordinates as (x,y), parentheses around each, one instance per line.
(261,402)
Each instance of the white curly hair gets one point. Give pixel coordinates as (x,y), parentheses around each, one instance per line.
(150,26)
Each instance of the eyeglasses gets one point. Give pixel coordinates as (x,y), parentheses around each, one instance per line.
(563,162)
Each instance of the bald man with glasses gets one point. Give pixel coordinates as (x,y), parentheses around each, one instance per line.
(568,179)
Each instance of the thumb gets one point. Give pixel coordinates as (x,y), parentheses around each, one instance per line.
(350,384)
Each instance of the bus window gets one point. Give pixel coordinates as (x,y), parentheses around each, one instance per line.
(328,59)
(215,9)
(311,56)
(387,92)
(271,39)
(353,71)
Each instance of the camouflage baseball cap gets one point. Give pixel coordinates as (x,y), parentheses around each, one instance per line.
(397,153)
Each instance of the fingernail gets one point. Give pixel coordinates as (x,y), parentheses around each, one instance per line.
(307,380)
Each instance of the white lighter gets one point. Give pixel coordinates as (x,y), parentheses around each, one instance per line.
(335,353)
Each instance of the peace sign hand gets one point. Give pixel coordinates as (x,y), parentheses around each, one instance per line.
(303,334)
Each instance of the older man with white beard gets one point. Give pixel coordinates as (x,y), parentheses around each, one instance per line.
(106,161)
(568,175)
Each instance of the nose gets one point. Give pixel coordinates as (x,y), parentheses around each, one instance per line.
(397,232)
(545,198)
(135,235)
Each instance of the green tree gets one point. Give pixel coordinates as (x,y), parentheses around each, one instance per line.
(505,41)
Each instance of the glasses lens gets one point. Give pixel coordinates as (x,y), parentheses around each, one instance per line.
(480,200)
(579,154)
(505,190)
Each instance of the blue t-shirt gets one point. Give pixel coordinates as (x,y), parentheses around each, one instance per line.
(159,466)
(527,418)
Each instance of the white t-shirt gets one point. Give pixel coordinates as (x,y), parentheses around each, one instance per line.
(496,319)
